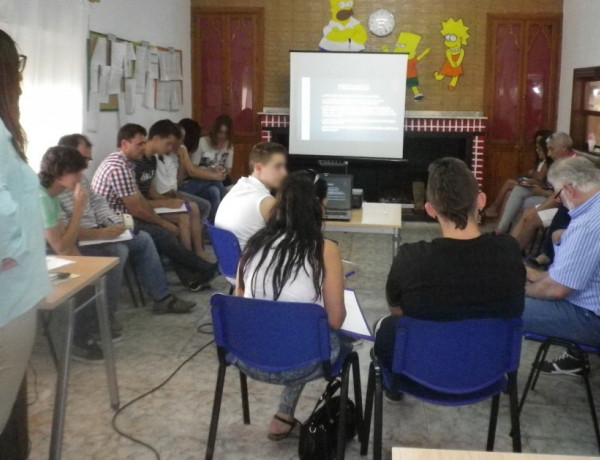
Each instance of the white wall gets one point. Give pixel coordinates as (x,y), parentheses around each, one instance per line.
(581,43)
(159,22)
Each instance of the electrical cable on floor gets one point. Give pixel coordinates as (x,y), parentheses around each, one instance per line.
(149,392)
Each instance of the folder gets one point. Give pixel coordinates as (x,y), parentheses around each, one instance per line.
(355,324)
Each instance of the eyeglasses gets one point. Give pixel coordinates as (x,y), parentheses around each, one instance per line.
(557,195)
(22,62)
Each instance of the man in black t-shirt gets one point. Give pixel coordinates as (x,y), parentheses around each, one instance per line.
(464,275)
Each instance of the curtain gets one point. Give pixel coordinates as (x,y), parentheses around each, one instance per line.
(53,36)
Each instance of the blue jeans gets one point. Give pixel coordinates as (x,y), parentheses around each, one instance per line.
(146,262)
(188,265)
(562,319)
(210,190)
(203,205)
(294,381)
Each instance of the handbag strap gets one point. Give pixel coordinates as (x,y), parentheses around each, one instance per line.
(332,387)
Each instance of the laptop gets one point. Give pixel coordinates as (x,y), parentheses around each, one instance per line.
(339,197)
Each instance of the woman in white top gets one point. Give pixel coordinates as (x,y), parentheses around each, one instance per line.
(207,163)
(290,260)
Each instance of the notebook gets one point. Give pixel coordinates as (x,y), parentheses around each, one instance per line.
(184,208)
(125,236)
(355,324)
(339,197)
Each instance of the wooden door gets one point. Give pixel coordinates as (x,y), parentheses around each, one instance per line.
(227,72)
(523,58)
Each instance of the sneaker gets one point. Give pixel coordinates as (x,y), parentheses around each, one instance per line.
(172,304)
(197,286)
(567,364)
(393,397)
(87,351)
(419,97)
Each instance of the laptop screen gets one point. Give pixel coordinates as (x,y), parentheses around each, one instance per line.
(339,192)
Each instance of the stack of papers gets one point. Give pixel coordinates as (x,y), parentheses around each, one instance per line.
(125,236)
(54,263)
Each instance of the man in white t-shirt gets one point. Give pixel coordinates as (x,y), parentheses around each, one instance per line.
(246,208)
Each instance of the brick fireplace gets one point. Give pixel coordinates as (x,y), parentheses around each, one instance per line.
(436,124)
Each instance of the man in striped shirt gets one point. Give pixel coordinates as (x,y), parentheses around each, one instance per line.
(115,180)
(99,222)
(565,301)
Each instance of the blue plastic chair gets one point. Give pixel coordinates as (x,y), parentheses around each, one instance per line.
(452,364)
(228,252)
(540,357)
(277,337)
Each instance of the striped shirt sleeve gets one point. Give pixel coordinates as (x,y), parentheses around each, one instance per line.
(577,257)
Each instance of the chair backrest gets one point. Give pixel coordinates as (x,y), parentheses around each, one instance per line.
(457,357)
(227,249)
(271,336)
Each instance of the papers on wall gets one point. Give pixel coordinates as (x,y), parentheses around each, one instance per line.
(355,323)
(170,66)
(98,59)
(153,64)
(130,96)
(130,57)
(183,208)
(141,68)
(114,80)
(149,95)
(169,95)
(121,109)
(118,51)
(54,263)
(125,236)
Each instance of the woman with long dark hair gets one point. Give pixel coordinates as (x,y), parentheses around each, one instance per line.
(291,261)
(23,274)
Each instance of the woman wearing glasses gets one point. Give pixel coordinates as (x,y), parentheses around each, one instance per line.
(23,275)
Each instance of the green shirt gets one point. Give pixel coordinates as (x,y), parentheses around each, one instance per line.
(50,208)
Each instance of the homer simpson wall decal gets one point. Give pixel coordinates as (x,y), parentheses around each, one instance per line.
(344,32)
(455,38)
(408,43)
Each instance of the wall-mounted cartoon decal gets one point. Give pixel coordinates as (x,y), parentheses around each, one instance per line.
(408,43)
(455,38)
(344,32)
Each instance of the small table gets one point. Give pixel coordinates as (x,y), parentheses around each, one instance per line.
(379,218)
(91,271)
(399,453)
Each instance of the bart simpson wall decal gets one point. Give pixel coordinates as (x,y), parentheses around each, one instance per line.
(455,38)
(344,32)
(408,43)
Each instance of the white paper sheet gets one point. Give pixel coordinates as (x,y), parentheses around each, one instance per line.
(125,236)
(177,64)
(163,95)
(118,51)
(99,54)
(103,84)
(171,210)
(164,60)
(141,68)
(176,96)
(130,96)
(153,64)
(149,95)
(355,323)
(54,263)
(114,80)
(93,114)
(129,58)
(94,77)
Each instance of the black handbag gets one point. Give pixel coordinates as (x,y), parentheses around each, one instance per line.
(318,435)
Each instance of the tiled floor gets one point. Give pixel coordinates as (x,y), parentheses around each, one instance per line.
(175,419)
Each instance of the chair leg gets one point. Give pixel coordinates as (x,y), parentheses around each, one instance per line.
(358,396)
(245,404)
(341,434)
(45,321)
(534,368)
(514,412)
(493,422)
(378,422)
(366,428)
(130,288)
(538,370)
(214,421)
(590,396)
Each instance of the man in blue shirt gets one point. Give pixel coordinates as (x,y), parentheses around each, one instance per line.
(565,301)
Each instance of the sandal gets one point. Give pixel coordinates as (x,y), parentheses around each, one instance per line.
(282,436)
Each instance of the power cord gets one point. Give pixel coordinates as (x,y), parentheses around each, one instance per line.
(156,388)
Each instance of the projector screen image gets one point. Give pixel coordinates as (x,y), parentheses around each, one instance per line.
(347,104)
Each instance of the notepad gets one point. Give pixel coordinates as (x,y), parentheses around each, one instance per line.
(184,208)
(125,236)
(54,263)
(355,324)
